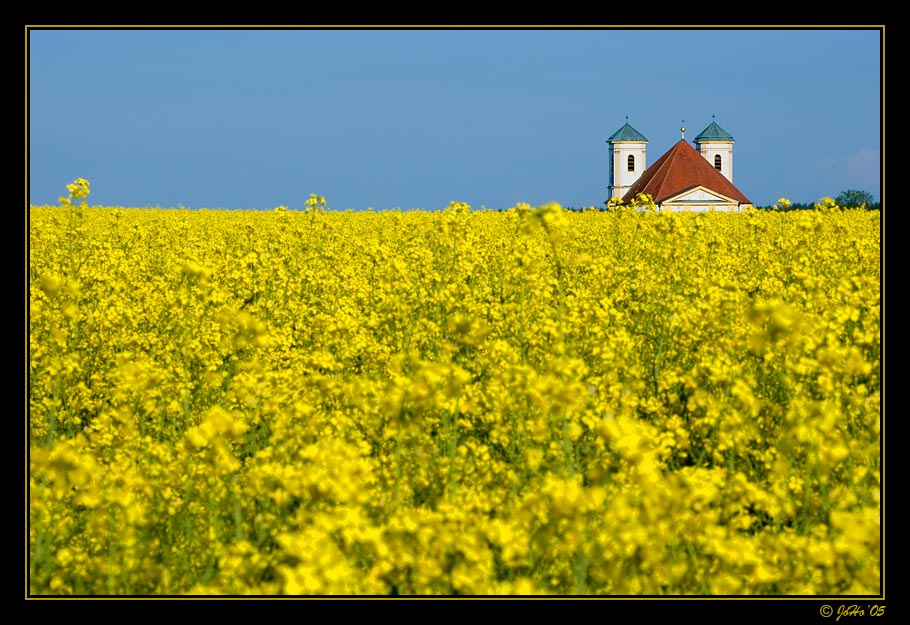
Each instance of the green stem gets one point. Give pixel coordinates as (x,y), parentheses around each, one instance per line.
(395,491)
(452,448)
(567,446)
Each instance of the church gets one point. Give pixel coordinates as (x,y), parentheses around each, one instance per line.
(685,178)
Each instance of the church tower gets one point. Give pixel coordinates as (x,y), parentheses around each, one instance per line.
(716,145)
(627,159)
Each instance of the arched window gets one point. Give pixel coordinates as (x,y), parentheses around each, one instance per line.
(717,162)
(631,163)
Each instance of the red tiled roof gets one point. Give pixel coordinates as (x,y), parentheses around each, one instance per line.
(680,169)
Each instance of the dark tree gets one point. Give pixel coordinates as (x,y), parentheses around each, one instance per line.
(854,199)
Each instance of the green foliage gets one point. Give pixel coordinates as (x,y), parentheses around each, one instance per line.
(853,198)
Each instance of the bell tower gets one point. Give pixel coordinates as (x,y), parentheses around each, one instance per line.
(716,145)
(628,161)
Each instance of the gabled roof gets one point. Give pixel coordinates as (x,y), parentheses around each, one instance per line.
(627,133)
(682,168)
(714,133)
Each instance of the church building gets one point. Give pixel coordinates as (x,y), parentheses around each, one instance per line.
(685,178)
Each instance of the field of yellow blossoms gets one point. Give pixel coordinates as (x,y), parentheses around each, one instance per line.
(525,402)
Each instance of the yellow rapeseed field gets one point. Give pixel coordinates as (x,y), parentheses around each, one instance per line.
(532,401)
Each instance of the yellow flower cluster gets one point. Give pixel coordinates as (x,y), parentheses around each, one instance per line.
(532,401)
(78,190)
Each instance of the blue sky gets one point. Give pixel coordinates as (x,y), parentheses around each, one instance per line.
(386,119)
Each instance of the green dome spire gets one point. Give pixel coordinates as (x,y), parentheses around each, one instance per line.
(714,133)
(627,133)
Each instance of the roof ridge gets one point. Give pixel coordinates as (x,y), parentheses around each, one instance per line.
(673,155)
(680,168)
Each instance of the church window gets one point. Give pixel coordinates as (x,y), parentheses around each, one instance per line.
(631,163)
(717,162)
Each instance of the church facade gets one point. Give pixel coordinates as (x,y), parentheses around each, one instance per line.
(684,178)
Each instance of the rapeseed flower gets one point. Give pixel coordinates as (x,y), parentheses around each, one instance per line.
(527,402)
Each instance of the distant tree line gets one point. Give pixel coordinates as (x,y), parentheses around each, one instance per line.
(851,198)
